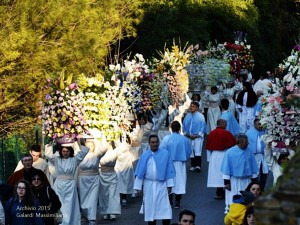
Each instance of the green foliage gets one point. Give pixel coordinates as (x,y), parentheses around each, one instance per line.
(40,38)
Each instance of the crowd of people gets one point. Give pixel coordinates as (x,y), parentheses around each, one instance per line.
(80,181)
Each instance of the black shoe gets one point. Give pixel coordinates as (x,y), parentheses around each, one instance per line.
(177,205)
(198,169)
(219,197)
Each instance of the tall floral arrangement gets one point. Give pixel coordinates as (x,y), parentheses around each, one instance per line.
(208,67)
(280,116)
(172,66)
(63,111)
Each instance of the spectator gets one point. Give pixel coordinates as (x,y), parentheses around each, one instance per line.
(24,204)
(25,173)
(187,217)
(180,150)
(238,208)
(47,197)
(6,192)
(255,188)
(155,173)
(249,218)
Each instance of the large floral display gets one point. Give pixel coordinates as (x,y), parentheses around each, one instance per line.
(280,110)
(111,100)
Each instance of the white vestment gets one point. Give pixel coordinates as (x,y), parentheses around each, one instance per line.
(215,176)
(213,112)
(180,178)
(65,184)
(124,169)
(88,185)
(156,204)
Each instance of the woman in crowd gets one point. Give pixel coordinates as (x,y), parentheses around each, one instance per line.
(23,208)
(65,185)
(249,216)
(246,102)
(214,111)
(255,188)
(89,180)
(49,201)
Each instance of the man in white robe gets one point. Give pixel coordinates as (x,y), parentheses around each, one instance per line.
(239,167)
(180,149)
(154,174)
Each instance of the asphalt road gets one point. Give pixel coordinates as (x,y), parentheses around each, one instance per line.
(199,199)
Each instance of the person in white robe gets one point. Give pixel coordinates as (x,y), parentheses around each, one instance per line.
(109,197)
(65,184)
(239,167)
(180,149)
(89,180)
(257,146)
(194,128)
(124,168)
(228,93)
(218,141)
(214,111)
(154,175)
(275,157)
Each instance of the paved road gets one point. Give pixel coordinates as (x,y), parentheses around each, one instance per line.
(199,199)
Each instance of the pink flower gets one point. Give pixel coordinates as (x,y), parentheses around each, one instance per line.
(290,87)
(72,86)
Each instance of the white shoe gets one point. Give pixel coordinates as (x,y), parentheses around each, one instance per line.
(106,217)
(198,169)
(192,168)
(124,202)
(113,217)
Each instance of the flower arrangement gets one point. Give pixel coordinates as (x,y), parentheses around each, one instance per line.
(280,115)
(172,66)
(208,67)
(63,112)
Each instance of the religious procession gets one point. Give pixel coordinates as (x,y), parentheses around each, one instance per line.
(137,127)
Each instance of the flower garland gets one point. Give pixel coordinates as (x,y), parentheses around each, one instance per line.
(63,112)
(281,118)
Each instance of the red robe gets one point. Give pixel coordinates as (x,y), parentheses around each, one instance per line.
(220,139)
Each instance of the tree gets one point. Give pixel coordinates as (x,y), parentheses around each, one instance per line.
(40,38)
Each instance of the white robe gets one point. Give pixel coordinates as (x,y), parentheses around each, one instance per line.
(246,117)
(88,185)
(124,169)
(156,204)
(65,184)
(180,178)
(2,214)
(215,176)
(109,197)
(213,112)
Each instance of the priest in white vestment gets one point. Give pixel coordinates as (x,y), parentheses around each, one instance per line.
(154,175)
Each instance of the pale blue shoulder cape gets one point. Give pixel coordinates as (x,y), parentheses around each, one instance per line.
(194,123)
(232,124)
(164,164)
(239,163)
(178,146)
